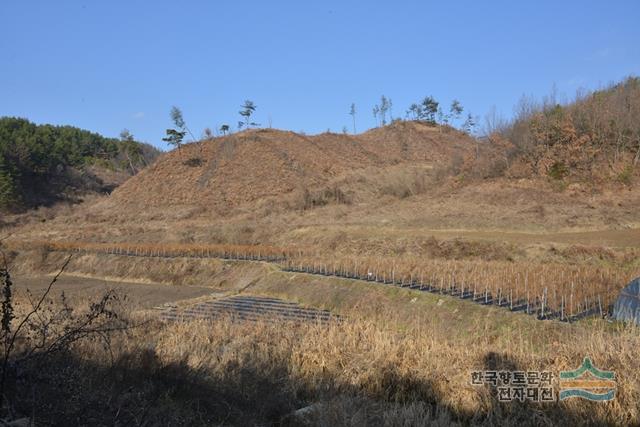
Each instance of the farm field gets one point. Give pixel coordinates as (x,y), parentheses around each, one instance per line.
(139,295)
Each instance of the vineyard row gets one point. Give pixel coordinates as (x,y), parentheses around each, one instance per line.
(549,291)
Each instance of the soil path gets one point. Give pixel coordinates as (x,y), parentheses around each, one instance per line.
(141,295)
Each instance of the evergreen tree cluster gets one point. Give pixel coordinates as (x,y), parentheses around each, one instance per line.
(36,158)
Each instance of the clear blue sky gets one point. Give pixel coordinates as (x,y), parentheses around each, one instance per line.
(109,65)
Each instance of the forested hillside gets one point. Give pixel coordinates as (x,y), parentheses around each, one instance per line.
(43,163)
(594,138)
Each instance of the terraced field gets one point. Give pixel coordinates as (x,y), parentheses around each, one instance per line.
(250,308)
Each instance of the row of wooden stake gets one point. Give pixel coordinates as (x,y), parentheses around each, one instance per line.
(564,302)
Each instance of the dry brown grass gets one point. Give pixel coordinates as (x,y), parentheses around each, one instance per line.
(363,371)
(401,358)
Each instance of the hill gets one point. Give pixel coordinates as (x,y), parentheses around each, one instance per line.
(40,164)
(253,165)
(409,188)
(549,157)
(388,191)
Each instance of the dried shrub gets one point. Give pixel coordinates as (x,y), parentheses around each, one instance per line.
(626,176)
(558,171)
(328,195)
(405,183)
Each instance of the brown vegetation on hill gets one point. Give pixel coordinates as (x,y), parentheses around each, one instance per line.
(596,138)
(258,164)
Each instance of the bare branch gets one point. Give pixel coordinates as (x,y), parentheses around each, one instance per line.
(12,340)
